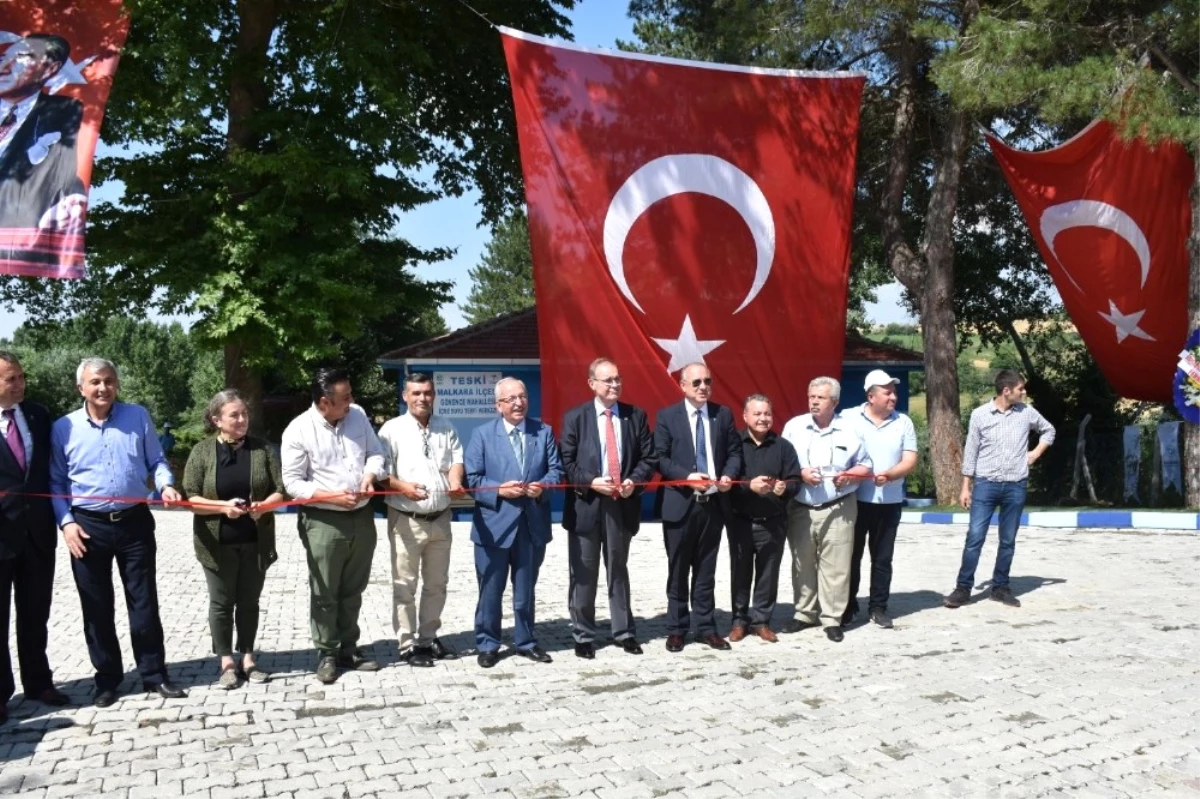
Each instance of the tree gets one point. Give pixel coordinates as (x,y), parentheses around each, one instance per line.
(503,280)
(267,149)
(1135,62)
(912,154)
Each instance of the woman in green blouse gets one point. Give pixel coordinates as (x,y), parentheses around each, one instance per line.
(232,479)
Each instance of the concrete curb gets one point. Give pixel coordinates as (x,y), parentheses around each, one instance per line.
(1119,519)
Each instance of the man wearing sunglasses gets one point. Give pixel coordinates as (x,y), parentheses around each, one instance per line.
(426,462)
(509,462)
(606,451)
(695,441)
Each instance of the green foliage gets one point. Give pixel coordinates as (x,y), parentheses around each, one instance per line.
(502,282)
(266,151)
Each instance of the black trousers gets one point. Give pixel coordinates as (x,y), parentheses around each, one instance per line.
(28,579)
(692,546)
(130,542)
(611,541)
(755,555)
(876,526)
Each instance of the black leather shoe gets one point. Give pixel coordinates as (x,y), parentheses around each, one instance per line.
(167,690)
(441,651)
(586,650)
(834,634)
(52,696)
(795,625)
(537,654)
(357,661)
(489,659)
(404,656)
(105,698)
(631,646)
(421,657)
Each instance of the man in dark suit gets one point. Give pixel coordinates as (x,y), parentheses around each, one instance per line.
(507,463)
(39,180)
(606,445)
(695,441)
(27,537)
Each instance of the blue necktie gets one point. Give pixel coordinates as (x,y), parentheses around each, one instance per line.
(518,446)
(701,445)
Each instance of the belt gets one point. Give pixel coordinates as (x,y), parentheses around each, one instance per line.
(828,504)
(422,517)
(759,519)
(109,516)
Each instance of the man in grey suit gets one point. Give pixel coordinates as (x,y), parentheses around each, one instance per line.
(606,451)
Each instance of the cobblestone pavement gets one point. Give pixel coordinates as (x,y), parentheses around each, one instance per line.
(1090,689)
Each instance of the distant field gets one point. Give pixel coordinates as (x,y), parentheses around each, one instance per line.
(916,405)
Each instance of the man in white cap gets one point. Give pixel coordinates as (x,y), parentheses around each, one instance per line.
(891,442)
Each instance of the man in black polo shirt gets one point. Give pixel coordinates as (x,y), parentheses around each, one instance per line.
(758,527)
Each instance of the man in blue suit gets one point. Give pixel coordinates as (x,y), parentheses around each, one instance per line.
(695,441)
(510,460)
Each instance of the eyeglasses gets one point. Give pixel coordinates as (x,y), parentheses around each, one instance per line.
(706,381)
(511,400)
(608,381)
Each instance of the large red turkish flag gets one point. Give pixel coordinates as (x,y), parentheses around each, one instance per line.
(683,211)
(1111,219)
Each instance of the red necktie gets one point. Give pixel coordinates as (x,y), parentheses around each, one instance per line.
(612,459)
(13,437)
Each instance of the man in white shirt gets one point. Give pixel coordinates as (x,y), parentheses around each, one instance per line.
(426,461)
(330,454)
(891,441)
(821,519)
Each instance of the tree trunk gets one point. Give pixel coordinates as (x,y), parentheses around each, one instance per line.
(248,96)
(1191,435)
(248,382)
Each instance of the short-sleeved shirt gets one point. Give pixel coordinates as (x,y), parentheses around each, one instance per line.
(421,455)
(886,444)
(836,446)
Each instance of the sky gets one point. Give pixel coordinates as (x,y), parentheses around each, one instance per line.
(454,221)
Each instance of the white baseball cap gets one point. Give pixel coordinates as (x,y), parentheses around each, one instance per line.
(878,377)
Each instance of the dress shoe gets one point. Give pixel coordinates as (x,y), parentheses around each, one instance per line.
(327,669)
(442,652)
(674,643)
(536,654)
(1004,595)
(489,659)
(834,634)
(715,641)
(585,650)
(737,633)
(167,690)
(357,661)
(767,635)
(882,619)
(957,598)
(850,614)
(421,657)
(795,626)
(631,646)
(105,698)
(52,696)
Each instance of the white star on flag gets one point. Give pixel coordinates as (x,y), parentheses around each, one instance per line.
(686,349)
(1126,324)
(71,72)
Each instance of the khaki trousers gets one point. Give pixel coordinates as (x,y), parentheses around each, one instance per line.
(420,549)
(822,544)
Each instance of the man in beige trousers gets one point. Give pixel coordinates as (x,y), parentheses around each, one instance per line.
(426,463)
(821,519)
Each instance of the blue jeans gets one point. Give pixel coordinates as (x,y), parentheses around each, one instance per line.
(986,497)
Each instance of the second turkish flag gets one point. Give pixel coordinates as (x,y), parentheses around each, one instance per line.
(683,211)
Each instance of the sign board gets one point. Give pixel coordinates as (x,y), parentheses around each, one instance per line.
(465,395)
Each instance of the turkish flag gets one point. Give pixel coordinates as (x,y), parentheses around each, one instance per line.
(1111,219)
(57,61)
(683,211)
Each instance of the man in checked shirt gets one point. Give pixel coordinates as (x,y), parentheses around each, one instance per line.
(998,457)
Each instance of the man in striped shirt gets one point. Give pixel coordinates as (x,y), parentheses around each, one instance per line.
(998,457)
